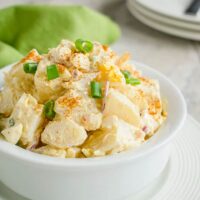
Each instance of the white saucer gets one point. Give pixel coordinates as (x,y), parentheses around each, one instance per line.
(162,26)
(171,8)
(179,181)
(165,19)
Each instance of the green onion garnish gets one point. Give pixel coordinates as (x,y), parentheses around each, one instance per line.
(11,122)
(96,91)
(129,79)
(52,72)
(84,46)
(126,74)
(30,68)
(133,81)
(49,109)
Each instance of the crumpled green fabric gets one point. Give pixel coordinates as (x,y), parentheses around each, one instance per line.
(24,27)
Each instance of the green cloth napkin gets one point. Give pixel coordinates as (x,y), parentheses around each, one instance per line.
(24,27)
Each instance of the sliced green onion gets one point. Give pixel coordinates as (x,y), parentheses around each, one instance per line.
(129,79)
(49,109)
(52,72)
(11,122)
(133,81)
(30,68)
(96,91)
(83,46)
(126,74)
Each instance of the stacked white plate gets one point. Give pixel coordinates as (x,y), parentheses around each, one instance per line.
(167,16)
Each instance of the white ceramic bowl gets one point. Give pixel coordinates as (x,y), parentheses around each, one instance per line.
(113,177)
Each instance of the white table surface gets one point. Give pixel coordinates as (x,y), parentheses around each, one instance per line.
(177,58)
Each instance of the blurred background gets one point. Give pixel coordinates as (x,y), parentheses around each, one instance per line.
(176,56)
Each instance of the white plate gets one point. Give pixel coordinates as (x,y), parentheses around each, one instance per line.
(179,181)
(171,8)
(180,32)
(164,19)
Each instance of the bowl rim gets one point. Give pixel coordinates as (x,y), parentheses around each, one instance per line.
(21,154)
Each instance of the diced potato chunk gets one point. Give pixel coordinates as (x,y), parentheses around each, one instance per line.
(63,134)
(135,96)
(150,124)
(119,105)
(48,89)
(61,54)
(6,101)
(51,151)
(102,55)
(13,133)
(151,90)
(17,82)
(80,61)
(29,113)
(80,81)
(81,108)
(115,136)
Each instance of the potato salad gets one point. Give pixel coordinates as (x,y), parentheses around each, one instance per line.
(79,100)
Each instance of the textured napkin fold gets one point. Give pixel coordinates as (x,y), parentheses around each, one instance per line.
(24,27)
